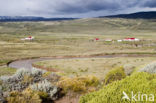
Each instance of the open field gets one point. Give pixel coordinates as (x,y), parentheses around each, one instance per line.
(75,38)
(98,67)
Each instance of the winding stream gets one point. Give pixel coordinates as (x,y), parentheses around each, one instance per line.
(27,63)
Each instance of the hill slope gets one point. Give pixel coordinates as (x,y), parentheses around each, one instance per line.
(30,18)
(138,15)
(81,26)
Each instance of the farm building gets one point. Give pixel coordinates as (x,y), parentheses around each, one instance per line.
(28,38)
(131,39)
(108,40)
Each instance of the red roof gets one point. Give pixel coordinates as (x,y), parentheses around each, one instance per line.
(96,38)
(130,38)
(29,37)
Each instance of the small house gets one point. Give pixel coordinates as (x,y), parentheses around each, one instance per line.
(130,39)
(28,38)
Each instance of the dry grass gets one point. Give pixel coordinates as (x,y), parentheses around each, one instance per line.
(74,37)
(7,71)
(52,45)
(95,66)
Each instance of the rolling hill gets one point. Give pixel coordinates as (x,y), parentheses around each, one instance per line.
(30,18)
(138,15)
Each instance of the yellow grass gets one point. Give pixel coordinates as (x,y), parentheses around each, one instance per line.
(95,66)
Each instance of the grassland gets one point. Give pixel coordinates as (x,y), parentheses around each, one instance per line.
(6,71)
(75,38)
(98,67)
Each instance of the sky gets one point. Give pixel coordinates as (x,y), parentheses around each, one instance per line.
(73,8)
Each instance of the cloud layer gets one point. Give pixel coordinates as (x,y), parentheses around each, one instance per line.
(73,8)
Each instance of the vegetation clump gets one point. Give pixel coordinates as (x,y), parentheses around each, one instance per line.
(27,96)
(29,86)
(78,84)
(150,68)
(113,93)
(114,75)
(46,87)
(22,79)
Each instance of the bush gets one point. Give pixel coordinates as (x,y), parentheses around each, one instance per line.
(27,96)
(21,79)
(129,69)
(90,80)
(50,76)
(38,80)
(46,87)
(114,75)
(150,68)
(112,93)
(78,84)
(2,100)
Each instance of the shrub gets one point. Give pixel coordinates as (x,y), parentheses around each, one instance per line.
(50,76)
(129,69)
(36,79)
(114,75)
(43,95)
(90,80)
(71,84)
(46,87)
(27,96)
(112,93)
(2,100)
(78,84)
(150,68)
(21,79)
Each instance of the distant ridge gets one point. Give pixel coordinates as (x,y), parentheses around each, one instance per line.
(30,18)
(138,15)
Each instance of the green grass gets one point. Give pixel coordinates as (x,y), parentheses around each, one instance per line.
(3,62)
(116,74)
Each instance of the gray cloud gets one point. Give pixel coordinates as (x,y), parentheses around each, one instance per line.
(150,3)
(73,8)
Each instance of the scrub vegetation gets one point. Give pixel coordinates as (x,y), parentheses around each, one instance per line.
(141,83)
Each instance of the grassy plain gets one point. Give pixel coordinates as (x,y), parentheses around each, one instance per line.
(75,38)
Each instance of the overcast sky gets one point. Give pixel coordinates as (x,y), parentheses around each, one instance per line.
(73,8)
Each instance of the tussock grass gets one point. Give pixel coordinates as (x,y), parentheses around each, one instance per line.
(78,84)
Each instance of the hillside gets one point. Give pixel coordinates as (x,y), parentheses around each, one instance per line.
(30,18)
(138,15)
(81,26)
